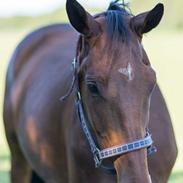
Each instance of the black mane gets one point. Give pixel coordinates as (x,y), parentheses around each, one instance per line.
(116,21)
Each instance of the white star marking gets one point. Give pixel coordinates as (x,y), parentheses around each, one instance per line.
(127,72)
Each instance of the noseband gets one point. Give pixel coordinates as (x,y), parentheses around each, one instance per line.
(100,155)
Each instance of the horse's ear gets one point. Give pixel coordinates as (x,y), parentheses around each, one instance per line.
(145,22)
(81,20)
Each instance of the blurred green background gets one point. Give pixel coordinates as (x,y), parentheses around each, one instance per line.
(163,45)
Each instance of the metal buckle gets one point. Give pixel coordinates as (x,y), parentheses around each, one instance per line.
(96,158)
(79,95)
(74,64)
(151,150)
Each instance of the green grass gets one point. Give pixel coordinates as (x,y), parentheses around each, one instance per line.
(4,165)
(165,52)
(177,177)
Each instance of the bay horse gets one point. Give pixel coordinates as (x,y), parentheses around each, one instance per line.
(98,132)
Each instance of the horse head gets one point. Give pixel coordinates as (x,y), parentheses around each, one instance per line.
(116,80)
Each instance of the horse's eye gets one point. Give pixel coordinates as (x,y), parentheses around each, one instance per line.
(92,87)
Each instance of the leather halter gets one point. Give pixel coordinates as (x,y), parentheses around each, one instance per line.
(100,155)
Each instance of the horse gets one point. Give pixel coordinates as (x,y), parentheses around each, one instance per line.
(83,106)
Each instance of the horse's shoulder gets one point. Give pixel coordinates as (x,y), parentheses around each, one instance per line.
(43,55)
(31,43)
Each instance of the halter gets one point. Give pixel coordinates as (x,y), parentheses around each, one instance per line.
(100,155)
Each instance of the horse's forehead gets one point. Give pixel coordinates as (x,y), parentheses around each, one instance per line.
(114,57)
(122,59)
(112,63)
